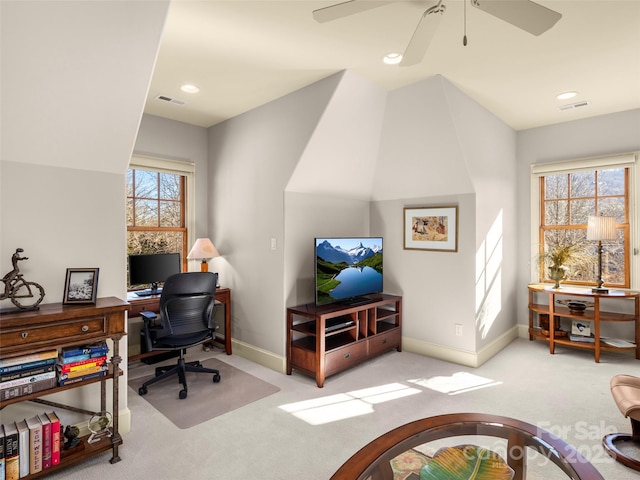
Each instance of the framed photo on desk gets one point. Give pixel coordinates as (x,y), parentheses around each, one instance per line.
(81,285)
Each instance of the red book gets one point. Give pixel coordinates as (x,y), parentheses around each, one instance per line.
(82,364)
(55,438)
(46,441)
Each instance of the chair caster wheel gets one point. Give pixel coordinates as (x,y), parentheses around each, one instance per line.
(142,391)
(182,394)
(216,378)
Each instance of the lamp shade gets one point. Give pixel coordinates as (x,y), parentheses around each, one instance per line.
(203,249)
(601,228)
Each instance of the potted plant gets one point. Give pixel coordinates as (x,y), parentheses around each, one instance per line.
(564,257)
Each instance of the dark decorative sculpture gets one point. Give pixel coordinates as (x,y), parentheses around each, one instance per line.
(71,433)
(18,290)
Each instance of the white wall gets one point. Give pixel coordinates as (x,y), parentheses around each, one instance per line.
(431,137)
(308,216)
(74,80)
(168,139)
(488,146)
(438,147)
(74,83)
(252,158)
(593,137)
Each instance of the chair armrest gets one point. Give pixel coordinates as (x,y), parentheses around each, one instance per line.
(146,315)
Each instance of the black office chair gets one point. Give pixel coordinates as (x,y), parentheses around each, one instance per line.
(186,320)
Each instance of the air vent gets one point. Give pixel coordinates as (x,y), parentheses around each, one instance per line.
(164,98)
(573,106)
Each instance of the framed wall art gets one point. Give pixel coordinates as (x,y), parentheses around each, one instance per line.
(431,228)
(81,285)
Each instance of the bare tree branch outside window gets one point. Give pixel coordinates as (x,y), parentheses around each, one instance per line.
(156,220)
(567,201)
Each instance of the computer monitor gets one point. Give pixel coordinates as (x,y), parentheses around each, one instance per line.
(152,269)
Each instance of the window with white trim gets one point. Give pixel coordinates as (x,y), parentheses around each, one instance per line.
(159,210)
(564,195)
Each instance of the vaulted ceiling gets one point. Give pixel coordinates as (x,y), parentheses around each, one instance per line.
(242,54)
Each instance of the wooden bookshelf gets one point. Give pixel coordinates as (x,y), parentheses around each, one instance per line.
(545,300)
(54,326)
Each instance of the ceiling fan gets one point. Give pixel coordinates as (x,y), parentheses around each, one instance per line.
(524,14)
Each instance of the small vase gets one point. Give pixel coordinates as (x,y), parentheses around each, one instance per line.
(557,275)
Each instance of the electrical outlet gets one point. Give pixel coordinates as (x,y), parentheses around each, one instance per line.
(458,330)
(274,244)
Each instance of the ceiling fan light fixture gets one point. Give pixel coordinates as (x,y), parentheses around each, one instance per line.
(392,58)
(189,88)
(566,95)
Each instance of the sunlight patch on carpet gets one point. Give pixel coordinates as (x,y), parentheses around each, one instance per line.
(333,408)
(460,382)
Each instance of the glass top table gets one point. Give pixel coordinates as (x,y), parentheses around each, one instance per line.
(519,441)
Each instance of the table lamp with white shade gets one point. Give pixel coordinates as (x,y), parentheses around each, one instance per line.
(203,250)
(601,228)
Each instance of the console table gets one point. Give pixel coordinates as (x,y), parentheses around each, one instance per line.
(326,339)
(54,326)
(554,310)
(152,304)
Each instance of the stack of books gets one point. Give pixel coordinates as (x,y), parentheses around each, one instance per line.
(77,364)
(27,374)
(30,445)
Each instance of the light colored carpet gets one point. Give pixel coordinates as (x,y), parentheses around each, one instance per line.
(205,400)
(566,393)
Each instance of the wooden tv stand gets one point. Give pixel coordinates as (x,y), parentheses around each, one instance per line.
(364,331)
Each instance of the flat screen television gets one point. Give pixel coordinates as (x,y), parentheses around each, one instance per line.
(347,269)
(152,269)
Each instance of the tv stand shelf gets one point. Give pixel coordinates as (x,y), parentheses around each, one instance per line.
(370,329)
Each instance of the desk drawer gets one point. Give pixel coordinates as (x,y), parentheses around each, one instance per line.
(83,330)
(146,305)
(345,357)
(384,341)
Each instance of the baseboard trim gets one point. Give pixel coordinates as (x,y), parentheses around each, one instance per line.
(461,357)
(259,356)
(523,331)
(420,347)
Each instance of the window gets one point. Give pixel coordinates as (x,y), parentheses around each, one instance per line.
(157,207)
(567,195)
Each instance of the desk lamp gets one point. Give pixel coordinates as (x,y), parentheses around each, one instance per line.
(203,249)
(601,228)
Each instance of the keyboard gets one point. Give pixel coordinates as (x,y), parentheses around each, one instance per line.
(148,292)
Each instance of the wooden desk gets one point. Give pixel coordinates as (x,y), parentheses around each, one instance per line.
(54,326)
(151,304)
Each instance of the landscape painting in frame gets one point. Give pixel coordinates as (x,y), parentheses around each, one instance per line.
(431,228)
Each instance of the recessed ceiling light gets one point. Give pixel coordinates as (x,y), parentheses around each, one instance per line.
(188,88)
(566,95)
(392,58)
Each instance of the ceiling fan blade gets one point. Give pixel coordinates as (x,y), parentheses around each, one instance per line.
(524,14)
(422,36)
(345,9)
